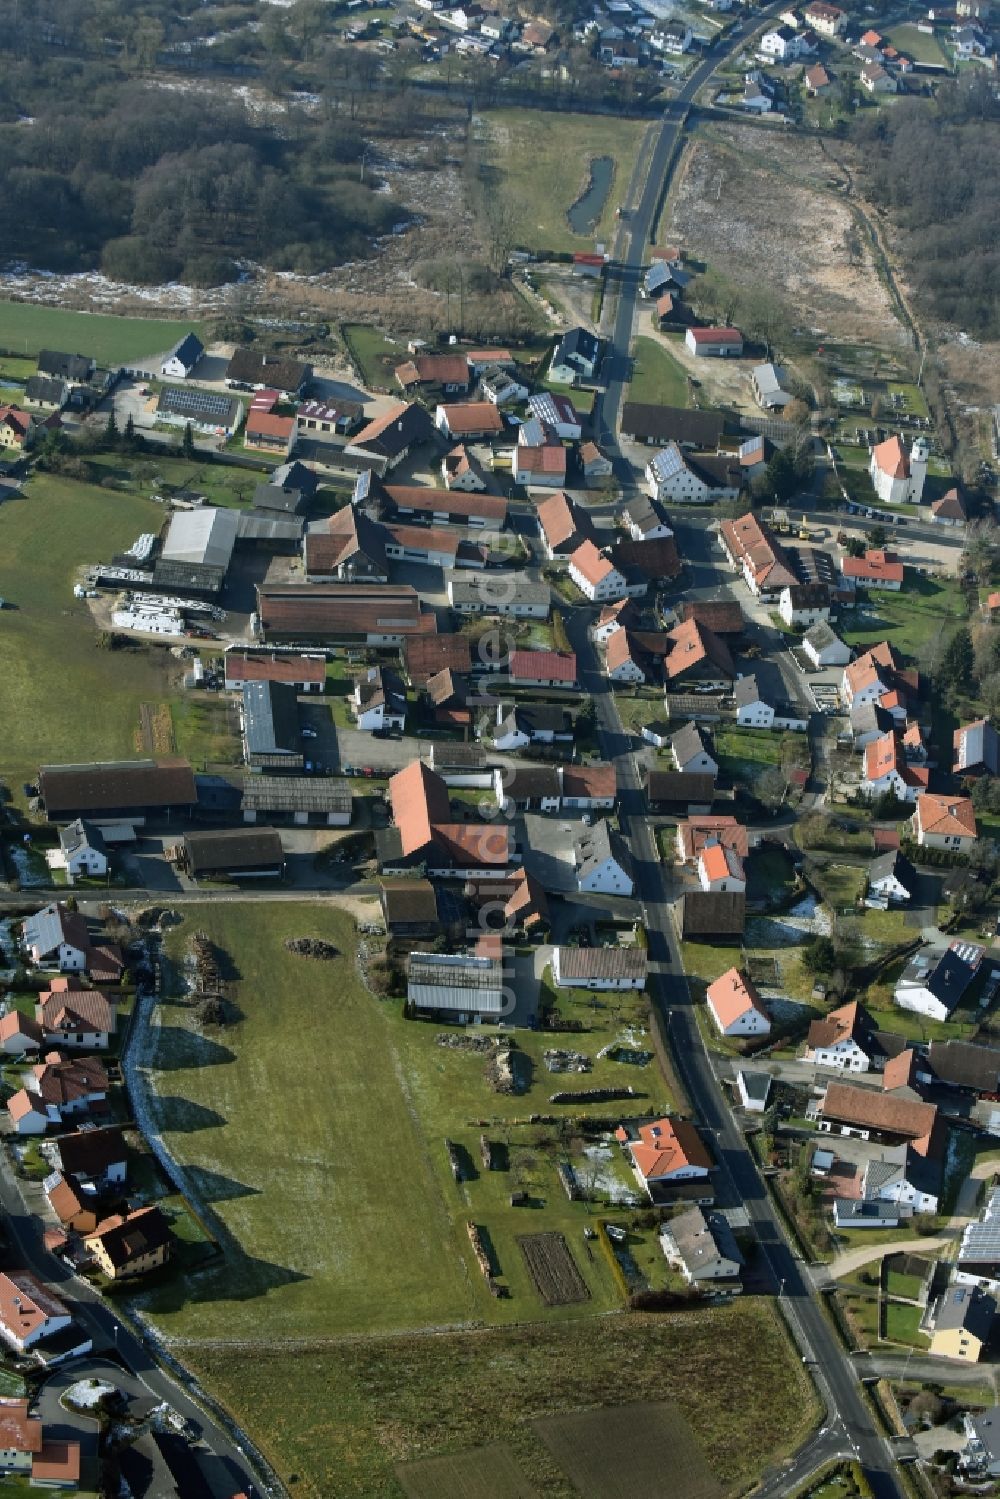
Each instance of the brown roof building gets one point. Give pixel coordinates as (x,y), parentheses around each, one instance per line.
(885,1114)
(697,654)
(721,616)
(713,914)
(126,788)
(424,656)
(129,1244)
(374,613)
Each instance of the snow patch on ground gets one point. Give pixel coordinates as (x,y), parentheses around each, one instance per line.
(806,919)
(27,869)
(600,1177)
(87,1393)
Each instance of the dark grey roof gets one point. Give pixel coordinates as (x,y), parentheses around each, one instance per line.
(895,863)
(576,345)
(853,1207)
(80,835)
(413,425)
(756,1085)
(406,902)
(295,475)
(251,367)
(522,782)
(986,1425)
(700,429)
(188,351)
(946,975)
(871,716)
(275,497)
(225,849)
(479,587)
(718,470)
(687,743)
(713,913)
(532,718)
(209,407)
(52,926)
(809,595)
(271,718)
(262,525)
(821,634)
(645,513)
(593,846)
(75,367)
(968,1308)
(701,1239)
(693,786)
(263,793)
(49,391)
(198,577)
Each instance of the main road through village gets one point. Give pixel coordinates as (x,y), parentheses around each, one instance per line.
(849,1428)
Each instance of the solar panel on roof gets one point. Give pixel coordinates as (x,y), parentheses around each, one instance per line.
(205,402)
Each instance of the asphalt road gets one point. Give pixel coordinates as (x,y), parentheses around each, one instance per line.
(224,1463)
(849,1428)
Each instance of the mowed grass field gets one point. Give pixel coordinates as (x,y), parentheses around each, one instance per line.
(342,1417)
(923,613)
(541,167)
(25,329)
(354,1123)
(657,378)
(64,699)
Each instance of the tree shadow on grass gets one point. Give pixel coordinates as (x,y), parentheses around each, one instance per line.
(236,1277)
(180,1116)
(212,1186)
(179,1049)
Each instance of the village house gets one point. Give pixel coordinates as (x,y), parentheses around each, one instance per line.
(934,982)
(460,471)
(887,773)
(635,656)
(595,574)
(698,655)
(599,968)
(29,1312)
(656,426)
(56,1089)
(425,837)
(720,868)
(892,880)
(501,387)
(949,510)
(770,383)
(564,526)
(446,374)
(828,20)
(694,833)
(886,1117)
(874,569)
(183,357)
(19,1033)
(323,420)
(752,550)
(753,710)
(56,937)
(844,1040)
(944,822)
(576,357)
(675,476)
(736,1007)
(720,343)
(977,749)
(531,723)
(803,604)
(646,519)
(379,700)
(542,668)
(961,1323)
(71,1015)
(823,647)
(250,370)
(557,414)
(470,419)
(130,1244)
(602,861)
(501,593)
(304,672)
(390,438)
(689,751)
(542,466)
(82,852)
(667,1151)
(703,1248)
(876,80)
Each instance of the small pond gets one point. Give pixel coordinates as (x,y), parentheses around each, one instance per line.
(584,214)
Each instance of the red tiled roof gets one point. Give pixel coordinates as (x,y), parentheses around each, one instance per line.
(716,335)
(590,780)
(419,799)
(549,458)
(666,1146)
(591,564)
(952,815)
(274,666)
(266,424)
(873,567)
(542,665)
(732,995)
(473,416)
(891,457)
(693,643)
(695,833)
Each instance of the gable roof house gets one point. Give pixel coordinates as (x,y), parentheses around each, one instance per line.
(563,524)
(703,1248)
(675,788)
(949,510)
(753,709)
(249,369)
(71,1015)
(886,771)
(117,790)
(527,908)
(977,749)
(844,1039)
(460,471)
(183,357)
(391,437)
(934,982)
(55,1089)
(602,861)
(735,1005)
(689,751)
(130,1244)
(81,851)
(236,853)
(804,604)
(29,1311)
(666,1151)
(635,656)
(539,465)
(678,477)
(892,879)
(944,822)
(646,519)
(447,373)
(962,1323)
(349,546)
(269,715)
(655,425)
(531,723)
(542,668)
(379,700)
(469,419)
(19,1033)
(720,868)
(57,937)
(599,968)
(718,915)
(698,655)
(596,576)
(874,569)
(576,357)
(753,550)
(372,613)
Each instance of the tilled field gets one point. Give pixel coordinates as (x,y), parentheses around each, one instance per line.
(553,1269)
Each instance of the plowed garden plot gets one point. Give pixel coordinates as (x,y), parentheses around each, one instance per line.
(553,1269)
(638,1451)
(482,1473)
